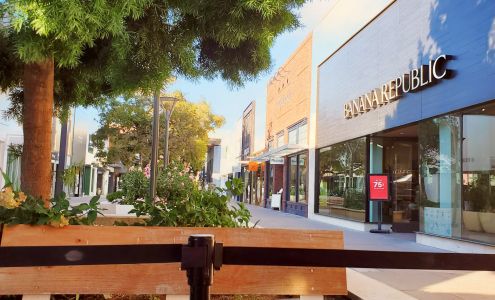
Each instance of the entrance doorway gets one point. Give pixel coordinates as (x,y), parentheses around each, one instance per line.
(396,153)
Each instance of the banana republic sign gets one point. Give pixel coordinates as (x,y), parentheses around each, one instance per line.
(415,80)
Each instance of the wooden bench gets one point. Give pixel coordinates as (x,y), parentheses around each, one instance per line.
(168,279)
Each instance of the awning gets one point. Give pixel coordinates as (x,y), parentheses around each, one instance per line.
(281,151)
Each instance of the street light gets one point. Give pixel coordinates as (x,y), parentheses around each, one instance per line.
(155,141)
(168,114)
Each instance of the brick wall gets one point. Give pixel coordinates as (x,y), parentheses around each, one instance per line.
(288,93)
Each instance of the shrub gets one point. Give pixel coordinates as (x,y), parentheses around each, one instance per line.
(182,203)
(175,182)
(118,195)
(135,185)
(19,208)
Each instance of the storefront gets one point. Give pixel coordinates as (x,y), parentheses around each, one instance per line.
(412,95)
(286,178)
(253,177)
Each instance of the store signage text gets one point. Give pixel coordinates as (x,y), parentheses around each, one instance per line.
(379,187)
(276,161)
(415,80)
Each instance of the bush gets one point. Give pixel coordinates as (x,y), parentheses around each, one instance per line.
(118,195)
(135,186)
(175,182)
(19,208)
(182,203)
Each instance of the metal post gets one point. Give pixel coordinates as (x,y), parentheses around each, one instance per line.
(380,220)
(167,125)
(154,144)
(62,153)
(198,263)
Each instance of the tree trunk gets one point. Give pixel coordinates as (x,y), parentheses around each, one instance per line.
(36,173)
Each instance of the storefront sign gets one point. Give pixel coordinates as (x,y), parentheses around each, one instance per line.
(379,187)
(415,80)
(276,161)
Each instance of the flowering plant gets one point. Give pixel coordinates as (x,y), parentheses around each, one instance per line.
(135,185)
(181,202)
(19,208)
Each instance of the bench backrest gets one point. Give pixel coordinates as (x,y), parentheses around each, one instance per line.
(168,278)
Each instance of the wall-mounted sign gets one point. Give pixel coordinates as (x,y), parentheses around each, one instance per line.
(276,161)
(379,187)
(415,80)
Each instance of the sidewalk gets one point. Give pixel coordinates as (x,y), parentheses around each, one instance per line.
(390,284)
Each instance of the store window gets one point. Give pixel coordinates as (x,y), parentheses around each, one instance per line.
(341,177)
(293,179)
(298,171)
(440,175)
(271,171)
(302,175)
(298,133)
(478,176)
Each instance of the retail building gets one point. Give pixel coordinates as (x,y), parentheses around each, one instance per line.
(411,95)
(287,126)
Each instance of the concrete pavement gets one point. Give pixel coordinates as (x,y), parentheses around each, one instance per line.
(390,284)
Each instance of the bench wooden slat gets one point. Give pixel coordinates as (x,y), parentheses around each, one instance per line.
(168,278)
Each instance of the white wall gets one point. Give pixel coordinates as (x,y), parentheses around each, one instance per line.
(230,150)
(10,132)
(341,23)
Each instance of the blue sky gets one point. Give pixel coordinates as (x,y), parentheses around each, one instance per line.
(229,102)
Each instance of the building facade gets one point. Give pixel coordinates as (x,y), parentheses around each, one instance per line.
(287,132)
(411,95)
(211,171)
(93,178)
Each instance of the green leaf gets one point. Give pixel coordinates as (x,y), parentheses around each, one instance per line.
(82,206)
(94,201)
(92,216)
(6,178)
(43,220)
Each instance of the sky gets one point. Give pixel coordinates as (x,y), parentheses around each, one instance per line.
(224,100)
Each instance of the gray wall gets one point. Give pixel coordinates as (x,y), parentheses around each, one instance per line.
(408,34)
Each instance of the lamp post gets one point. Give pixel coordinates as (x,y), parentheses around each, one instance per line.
(154,144)
(168,114)
(155,138)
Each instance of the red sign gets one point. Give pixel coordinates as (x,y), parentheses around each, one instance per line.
(379,187)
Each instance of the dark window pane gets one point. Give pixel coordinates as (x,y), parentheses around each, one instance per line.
(478,177)
(292,178)
(341,173)
(303,170)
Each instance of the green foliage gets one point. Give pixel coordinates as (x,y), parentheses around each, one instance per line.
(64,29)
(70,176)
(17,208)
(15,151)
(182,203)
(175,182)
(115,196)
(354,199)
(135,186)
(110,48)
(127,124)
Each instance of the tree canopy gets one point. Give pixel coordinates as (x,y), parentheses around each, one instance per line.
(110,48)
(62,53)
(126,123)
